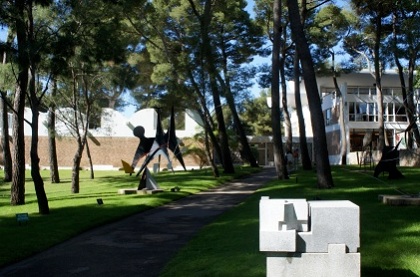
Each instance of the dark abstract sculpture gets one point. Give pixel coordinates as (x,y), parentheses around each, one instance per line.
(150,147)
(388,163)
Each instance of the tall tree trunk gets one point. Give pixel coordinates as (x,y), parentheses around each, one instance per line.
(18,177)
(382,138)
(92,173)
(325,179)
(18,157)
(75,177)
(213,138)
(207,121)
(7,155)
(81,138)
(208,153)
(35,103)
(35,171)
(410,107)
(303,144)
(279,158)
(240,132)
(54,173)
(211,69)
(81,142)
(246,149)
(224,141)
(286,115)
(410,101)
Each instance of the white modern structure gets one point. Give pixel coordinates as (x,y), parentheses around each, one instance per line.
(310,238)
(114,123)
(360,112)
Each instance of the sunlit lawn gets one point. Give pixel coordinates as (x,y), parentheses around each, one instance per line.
(390,235)
(71,214)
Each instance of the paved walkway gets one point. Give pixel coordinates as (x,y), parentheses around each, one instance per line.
(142,244)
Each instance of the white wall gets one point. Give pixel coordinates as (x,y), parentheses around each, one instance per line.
(113,124)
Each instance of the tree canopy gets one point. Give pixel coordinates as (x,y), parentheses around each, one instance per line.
(193,54)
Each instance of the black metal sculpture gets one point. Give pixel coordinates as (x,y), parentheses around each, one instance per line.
(150,147)
(388,162)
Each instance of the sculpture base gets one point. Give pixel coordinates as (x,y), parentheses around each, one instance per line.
(335,263)
(141,191)
(400,200)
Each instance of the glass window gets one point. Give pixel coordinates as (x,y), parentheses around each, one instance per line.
(352,111)
(328,116)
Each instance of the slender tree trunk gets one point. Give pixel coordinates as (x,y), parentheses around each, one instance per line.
(382,140)
(223,137)
(240,132)
(410,108)
(303,144)
(18,178)
(207,121)
(279,158)
(81,138)
(35,103)
(54,173)
(7,155)
(410,101)
(81,142)
(246,149)
(211,69)
(92,173)
(318,126)
(35,170)
(208,153)
(286,115)
(75,177)
(18,157)
(213,139)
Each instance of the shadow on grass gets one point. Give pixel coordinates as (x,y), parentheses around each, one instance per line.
(42,232)
(377,271)
(389,234)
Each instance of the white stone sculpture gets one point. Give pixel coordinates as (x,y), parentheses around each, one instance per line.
(310,238)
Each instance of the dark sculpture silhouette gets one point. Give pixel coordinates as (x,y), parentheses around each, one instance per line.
(388,162)
(150,147)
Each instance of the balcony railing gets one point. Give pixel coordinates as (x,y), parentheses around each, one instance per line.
(374,118)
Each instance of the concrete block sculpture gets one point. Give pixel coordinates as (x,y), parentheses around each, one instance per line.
(310,238)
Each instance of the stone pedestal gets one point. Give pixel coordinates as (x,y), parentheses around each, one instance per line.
(310,238)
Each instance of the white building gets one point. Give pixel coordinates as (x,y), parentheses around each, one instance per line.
(360,113)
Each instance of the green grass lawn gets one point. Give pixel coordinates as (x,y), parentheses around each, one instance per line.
(71,214)
(390,235)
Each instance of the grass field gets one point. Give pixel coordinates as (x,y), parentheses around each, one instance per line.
(71,214)
(390,235)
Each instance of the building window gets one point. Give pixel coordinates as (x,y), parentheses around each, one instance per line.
(361,111)
(371,112)
(352,113)
(400,114)
(328,116)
